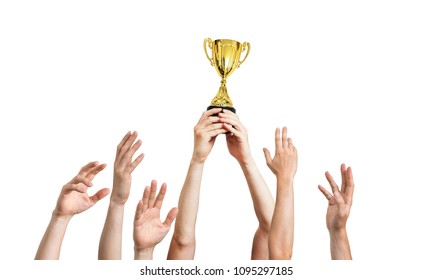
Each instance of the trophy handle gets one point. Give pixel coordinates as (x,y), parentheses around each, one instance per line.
(209,43)
(244,46)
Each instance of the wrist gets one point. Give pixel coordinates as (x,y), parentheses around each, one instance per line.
(285,180)
(339,233)
(117,204)
(117,199)
(58,218)
(199,160)
(143,253)
(246,161)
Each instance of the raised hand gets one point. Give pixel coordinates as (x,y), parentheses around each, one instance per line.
(339,205)
(110,244)
(205,132)
(238,146)
(124,166)
(73,199)
(237,138)
(285,161)
(340,201)
(284,166)
(182,246)
(149,230)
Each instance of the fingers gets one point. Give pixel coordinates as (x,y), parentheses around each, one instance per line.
(119,147)
(209,125)
(139,210)
(232,130)
(207,114)
(209,131)
(125,145)
(216,132)
(327,194)
(267,156)
(343,178)
(331,181)
(160,198)
(130,153)
(284,139)
(145,198)
(228,117)
(350,185)
(149,194)
(277,139)
(290,145)
(99,195)
(79,179)
(136,162)
(153,187)
(79,187)
(83,171)
(95,170)
(171,216)
(126,150)
(338,198)
(212,127)
(207,121)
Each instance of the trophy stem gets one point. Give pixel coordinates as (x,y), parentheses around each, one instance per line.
(222,99)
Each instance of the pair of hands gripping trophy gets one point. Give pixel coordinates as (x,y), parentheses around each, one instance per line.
(273,238)
(210,125)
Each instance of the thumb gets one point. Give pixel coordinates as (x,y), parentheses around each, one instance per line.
(139,210)
(100,195)
(267,156)
(171,216)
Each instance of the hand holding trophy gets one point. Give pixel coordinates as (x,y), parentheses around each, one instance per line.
(226,57)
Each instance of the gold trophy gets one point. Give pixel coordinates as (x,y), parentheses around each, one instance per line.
(226,57)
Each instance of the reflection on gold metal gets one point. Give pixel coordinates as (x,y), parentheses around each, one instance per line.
(226,57)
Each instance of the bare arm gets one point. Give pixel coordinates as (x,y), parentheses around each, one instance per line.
(237,143)
(284,166)
(340,247)
(110,244)
(73,199)
(339,204)
(182,246)
(148,228)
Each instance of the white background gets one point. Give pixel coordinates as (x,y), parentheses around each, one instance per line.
(352,81)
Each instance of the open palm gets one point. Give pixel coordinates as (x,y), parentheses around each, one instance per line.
(149,230)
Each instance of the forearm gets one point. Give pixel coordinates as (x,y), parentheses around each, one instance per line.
(340,248)
(51,243)
(282,227)
(110,244)
(183,241)
(260,193)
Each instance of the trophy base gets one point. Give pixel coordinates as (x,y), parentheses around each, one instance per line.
(227,108)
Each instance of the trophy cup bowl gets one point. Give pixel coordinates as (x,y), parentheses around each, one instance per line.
(226,58)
